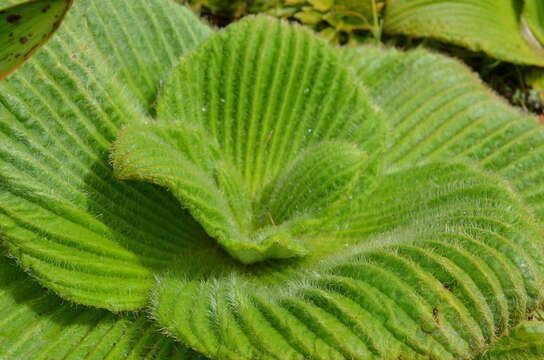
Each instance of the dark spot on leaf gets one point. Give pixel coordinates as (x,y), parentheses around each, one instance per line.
(436,314)
(23,40)
(17,55)
(13,18)
(10,34)
(46,9)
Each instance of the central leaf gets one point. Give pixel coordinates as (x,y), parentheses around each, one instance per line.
(258,142)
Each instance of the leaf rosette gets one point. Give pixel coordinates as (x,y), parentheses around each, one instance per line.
(267,196)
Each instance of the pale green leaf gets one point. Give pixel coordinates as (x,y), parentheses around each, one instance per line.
(451,116)
(492,26)
(433,261)
(63,214)
(38,325)
(185,159)
(25,27)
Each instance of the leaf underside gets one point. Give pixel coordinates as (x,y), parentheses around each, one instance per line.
(492,26)
(25,27)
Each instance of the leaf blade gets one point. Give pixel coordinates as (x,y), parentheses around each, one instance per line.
(493,27)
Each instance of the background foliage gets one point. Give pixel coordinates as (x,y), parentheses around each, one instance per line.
(351,22)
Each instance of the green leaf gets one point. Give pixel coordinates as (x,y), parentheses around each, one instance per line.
(262,114)
(533,15)
(26,27)
(525,342)
(40,326)
(439,261)
(451,117)
(491,26)
(73,226)
(124,30)
(184,159)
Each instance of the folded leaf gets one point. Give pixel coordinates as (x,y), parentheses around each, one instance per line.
(492,26)
(445,262)
(297,98)
(25,27)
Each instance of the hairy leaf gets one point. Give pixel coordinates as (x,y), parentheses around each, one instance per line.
(63,214)
(25,27)
(428,249)
(257,116)
(440,262)
(492,26)
(525,342)
(37,325)
(451,117)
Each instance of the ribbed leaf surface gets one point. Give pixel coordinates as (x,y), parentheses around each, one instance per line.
(441,261)
(69,221)
(25,27)
(263,91)
(451,116)
(492,26)
(526,342)
(266,90)
(142,40)
(38,325)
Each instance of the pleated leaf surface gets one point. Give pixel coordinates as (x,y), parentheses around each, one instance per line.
(63,214)
(264,92)
(435,260)
(441,261)
(36,324)
(526,342)
(492,26)
(451,117)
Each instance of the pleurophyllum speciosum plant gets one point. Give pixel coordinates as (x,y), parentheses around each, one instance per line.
(258,194)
